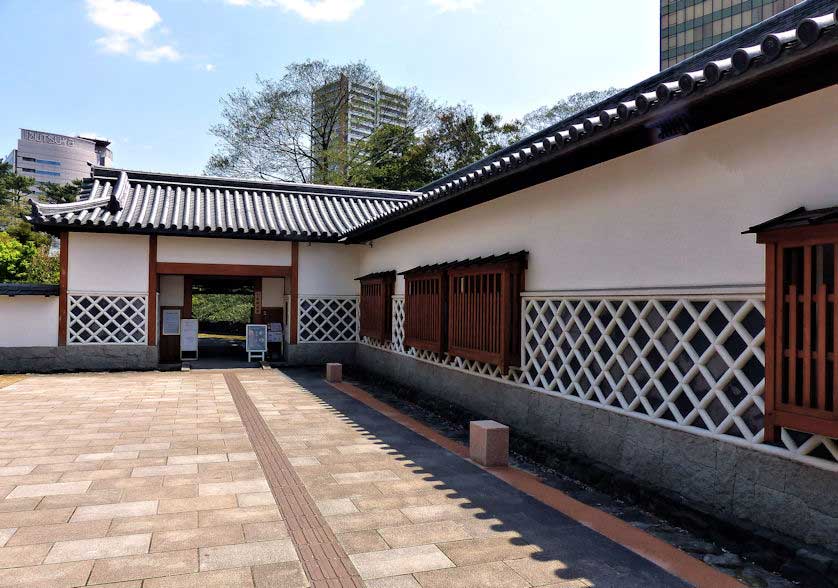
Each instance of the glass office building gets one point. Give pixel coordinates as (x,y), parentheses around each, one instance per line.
(689,26)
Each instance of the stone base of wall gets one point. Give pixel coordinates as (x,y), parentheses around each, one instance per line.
(320,353)
(742,486)
(77,358)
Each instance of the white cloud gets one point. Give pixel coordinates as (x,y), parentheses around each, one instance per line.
(311,10)
(209,67)
(454,5)
(127,25)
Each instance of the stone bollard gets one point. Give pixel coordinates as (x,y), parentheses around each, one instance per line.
(489,443)
(334,372)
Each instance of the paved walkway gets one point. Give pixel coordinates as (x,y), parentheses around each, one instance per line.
(154,479)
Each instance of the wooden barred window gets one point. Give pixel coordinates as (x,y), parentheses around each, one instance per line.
(484,311)
(424,310)
(801,322)
(376,305)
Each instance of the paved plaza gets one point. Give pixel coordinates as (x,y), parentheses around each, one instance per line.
(264,478)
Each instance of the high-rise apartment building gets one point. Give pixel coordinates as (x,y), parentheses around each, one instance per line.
(354,110)
(60,159)
(689,26)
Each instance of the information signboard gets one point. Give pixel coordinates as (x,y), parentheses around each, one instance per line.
(171,321)
(256,340)
(189,337)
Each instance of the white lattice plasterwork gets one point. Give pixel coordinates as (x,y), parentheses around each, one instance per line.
(113,319)
(328,319)
(686,361)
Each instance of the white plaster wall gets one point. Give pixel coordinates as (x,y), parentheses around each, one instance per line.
(273,292)
(232,251)
(107,263)
(329,269)
(670,215)
(171,291)
(28,321)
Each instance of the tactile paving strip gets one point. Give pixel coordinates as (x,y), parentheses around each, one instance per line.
(323,558)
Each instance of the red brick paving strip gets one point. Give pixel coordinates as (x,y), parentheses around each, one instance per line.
(323,558)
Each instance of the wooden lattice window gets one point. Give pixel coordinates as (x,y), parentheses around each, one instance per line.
(424,310)
(801,338)
(484,312)
(376,305)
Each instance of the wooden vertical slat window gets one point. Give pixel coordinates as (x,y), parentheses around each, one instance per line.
(485,312)
(376,306)
(425,311)
(801,336)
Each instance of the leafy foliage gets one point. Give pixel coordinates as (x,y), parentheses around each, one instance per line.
(543,117)
(59,194)
(234,308)
(15,258)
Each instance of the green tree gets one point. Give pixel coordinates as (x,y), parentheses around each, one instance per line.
(60,193)
(543,117)
(15,258)
(392,158)
(43,268)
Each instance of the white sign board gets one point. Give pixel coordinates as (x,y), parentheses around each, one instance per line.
(171,321)
(256,338)
(275,333)
(189,335)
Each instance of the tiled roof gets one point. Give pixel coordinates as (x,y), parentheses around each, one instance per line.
(806,29)
(799,217)
(518,257)
(391,274)
(28,290)
(127,201)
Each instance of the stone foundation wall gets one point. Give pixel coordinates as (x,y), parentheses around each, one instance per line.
(736,484)
(320,353)
(77,358)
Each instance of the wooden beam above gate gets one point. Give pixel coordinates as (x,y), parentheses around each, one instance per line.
(223,269)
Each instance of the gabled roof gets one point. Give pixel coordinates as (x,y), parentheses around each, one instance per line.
(125,201)
(788,55)
(799,217)
(519,257)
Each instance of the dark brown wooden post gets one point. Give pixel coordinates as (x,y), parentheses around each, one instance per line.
(64,259)
(152,290)
(187,297)
(295,294)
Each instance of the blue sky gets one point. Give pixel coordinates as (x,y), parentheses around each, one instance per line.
(148,74)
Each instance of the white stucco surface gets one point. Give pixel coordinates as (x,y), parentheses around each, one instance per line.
(28,321)
(107,263)
(273,292)
(670,215)
(329,269)
(232,251)
(171,291)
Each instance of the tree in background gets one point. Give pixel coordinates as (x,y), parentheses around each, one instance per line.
(60,193)
(543,117)
(392,158)
(15,258)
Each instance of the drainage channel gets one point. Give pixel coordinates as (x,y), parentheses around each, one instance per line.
(323,559)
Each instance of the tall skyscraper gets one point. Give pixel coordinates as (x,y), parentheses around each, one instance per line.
(354,110)
(689,26)
(60,159)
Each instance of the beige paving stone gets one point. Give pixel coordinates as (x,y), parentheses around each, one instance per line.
(95,474)
(326,491)
(541,572)
(265,531)
(371,476)
(303,461)
(397,562)
(23,555)
(336,506)
(362,448)
(232,516)
(59,532)
(20,470)
(99,548)
(117,510)
(242,456)
(198,503)
(390,502)
(394,582)
(160,492)
(247,554)
(424,533)
(474,551)
(141,446)
(5,535)
(362,541)
(151,565)
(367,520)
(239,578)
(30,490)
(45,459)
(166,522)
(487,575)
(256,499)
(196,459)
(19,504)
(65,575)
(241,487)
(67,500)
(440,512)
(35,517)
(123,483)
(288,574)
(164,470)
(199,537)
